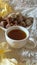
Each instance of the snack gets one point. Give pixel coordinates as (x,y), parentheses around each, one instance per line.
(5,8)
(6,61)
(3,49)
(16,19)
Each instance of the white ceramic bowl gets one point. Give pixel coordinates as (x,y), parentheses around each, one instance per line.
(16,43)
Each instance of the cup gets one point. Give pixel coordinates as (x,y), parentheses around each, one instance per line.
(16,43)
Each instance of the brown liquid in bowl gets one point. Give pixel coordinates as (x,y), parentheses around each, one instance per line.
(17,34)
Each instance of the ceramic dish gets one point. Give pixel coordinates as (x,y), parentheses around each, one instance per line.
(17,19)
